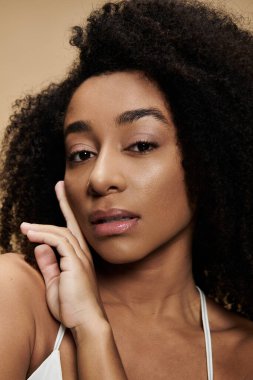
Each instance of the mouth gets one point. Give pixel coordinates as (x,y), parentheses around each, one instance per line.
(113,222)
(113,219)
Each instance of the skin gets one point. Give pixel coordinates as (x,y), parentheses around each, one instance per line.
(144,300)
(117,175)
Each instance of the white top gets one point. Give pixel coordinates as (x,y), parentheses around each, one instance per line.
(50,369)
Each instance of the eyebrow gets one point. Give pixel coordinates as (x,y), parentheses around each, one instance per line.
(77,127)
(126,117)
(133,115)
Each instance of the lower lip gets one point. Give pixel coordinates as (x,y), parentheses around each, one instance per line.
(115,227)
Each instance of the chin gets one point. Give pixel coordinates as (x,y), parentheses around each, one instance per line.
(120,258)
(114,255)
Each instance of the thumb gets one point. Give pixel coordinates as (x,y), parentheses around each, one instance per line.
(47,263)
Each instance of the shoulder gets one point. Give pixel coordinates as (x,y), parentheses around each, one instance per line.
(18,278)
(14,261)
(24,317)
(243,332)
(232,339)
(17,332)
(21,289)
(242,343)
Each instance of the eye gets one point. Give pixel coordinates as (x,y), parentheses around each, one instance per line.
(79,156)
(143,146)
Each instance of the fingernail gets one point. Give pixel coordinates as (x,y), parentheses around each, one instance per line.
(25,224)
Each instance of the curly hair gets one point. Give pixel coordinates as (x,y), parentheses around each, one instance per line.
(202,61)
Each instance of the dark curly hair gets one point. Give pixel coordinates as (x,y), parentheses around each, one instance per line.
(202,61)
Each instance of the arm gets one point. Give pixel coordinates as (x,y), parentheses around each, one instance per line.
(16,319)
(97,354)
(73,295)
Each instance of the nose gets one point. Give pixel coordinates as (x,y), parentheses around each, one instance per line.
(107,175)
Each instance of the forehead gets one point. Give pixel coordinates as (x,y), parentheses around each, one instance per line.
(110,94)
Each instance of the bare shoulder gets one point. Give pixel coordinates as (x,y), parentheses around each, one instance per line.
(243,336)
(17,332)
(24,317)
(14,261)
(17,276)
(225,320)
(22,287)
(232,336)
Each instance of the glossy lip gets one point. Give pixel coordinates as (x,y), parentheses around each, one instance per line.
(98,215)
(113,227)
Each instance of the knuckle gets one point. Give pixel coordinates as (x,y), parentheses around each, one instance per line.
(85,263)
(67,232)
(64,240)
(64,230)
(86,260)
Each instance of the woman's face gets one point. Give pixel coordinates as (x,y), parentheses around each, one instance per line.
(122,154)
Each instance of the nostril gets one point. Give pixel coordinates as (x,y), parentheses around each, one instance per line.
(104,181)
(95,191)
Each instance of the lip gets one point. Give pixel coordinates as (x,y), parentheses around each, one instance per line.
(113,227)
(112,212)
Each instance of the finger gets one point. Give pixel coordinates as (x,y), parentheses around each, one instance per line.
(61,243)
(68,214)
(47,263)
(59,231)
(49,268)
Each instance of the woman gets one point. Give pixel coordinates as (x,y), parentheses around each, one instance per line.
(152,133)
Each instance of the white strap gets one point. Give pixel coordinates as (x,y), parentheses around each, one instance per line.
(59,337)
(207,333)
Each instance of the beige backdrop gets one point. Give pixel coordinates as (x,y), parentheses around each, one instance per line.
(34,43)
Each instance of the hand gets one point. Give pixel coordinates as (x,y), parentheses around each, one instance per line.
(71,290)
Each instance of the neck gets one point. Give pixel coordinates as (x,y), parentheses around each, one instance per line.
(160,285)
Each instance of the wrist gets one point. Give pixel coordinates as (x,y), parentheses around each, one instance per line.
(95,329)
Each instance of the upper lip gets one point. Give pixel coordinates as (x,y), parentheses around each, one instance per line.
(113,212)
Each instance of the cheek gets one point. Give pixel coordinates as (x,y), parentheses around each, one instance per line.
(174,205)
(166,195)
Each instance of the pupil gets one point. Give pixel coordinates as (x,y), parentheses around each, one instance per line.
(83,155)
(143,146)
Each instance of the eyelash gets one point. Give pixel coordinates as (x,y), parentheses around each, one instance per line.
(153,145)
